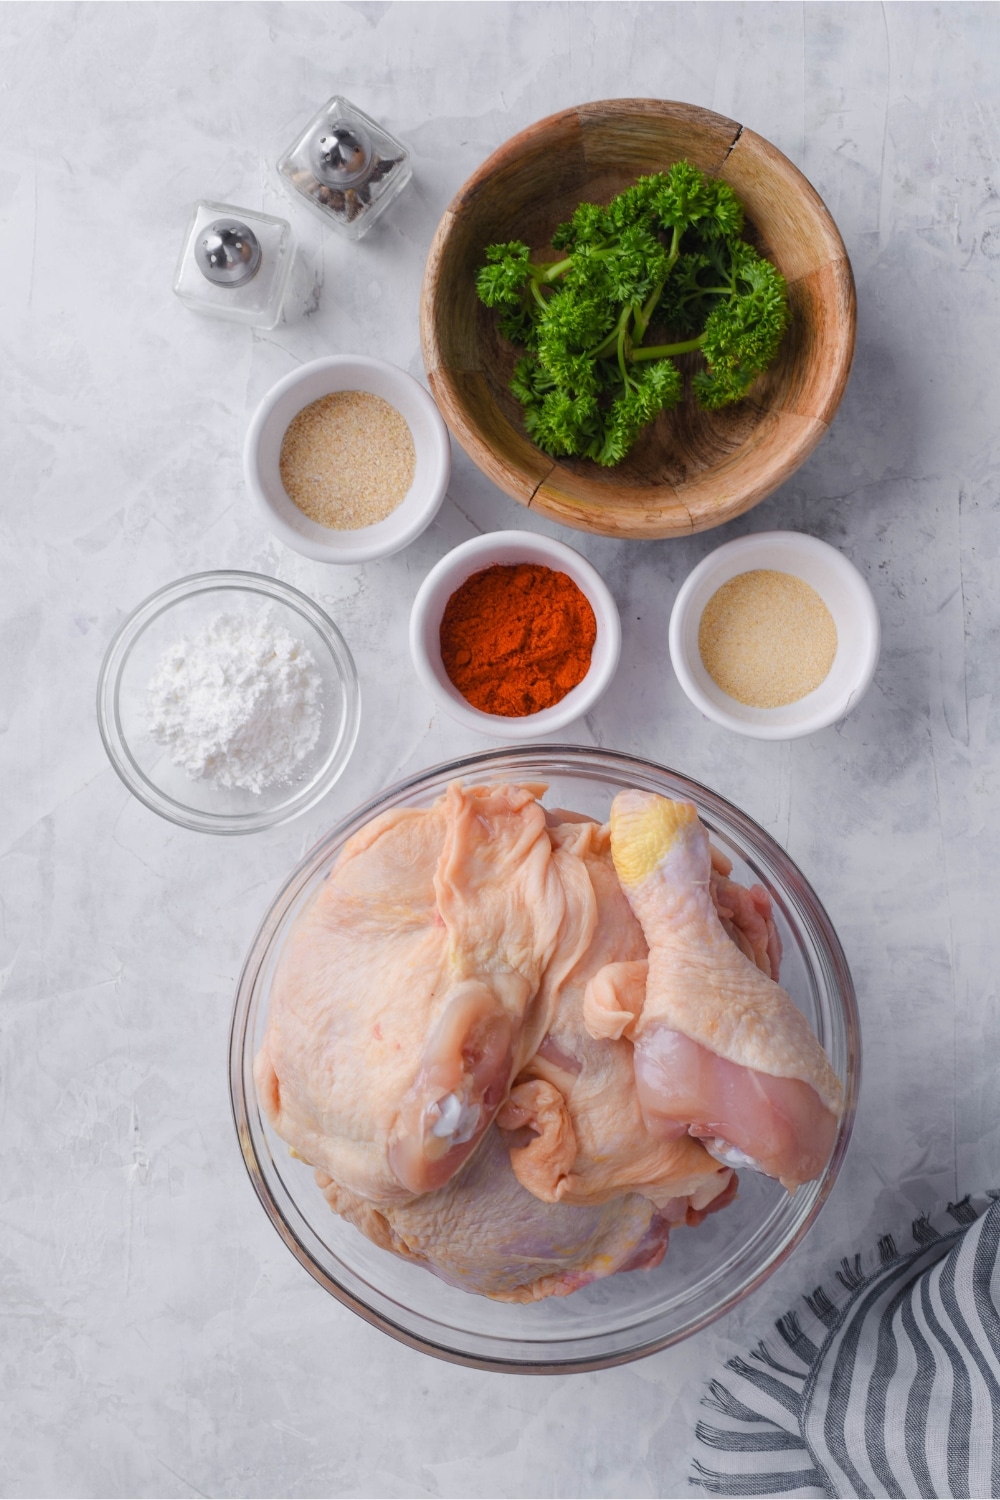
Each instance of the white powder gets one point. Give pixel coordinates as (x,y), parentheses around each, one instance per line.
(239,704)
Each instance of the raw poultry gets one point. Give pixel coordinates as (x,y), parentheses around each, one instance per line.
(519,1046)
(577,1095)
(408,998)
(721,1051)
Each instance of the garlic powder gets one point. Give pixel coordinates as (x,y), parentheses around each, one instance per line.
(766,638)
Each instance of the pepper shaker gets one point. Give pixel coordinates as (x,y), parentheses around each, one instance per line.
(234,263)
(346,167)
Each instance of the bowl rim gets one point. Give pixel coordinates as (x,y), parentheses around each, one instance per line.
(759,545)
(113,737)
(534,546)
(414,512)
(242,1098)
(660,510)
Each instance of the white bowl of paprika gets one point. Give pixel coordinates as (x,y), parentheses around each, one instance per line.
(514,635)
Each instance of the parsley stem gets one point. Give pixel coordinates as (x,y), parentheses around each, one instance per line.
(536,292)
(553,269)
(664,351)
(611,342)
(645,312)
(622,328)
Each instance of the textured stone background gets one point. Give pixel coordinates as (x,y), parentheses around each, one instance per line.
(158,1339)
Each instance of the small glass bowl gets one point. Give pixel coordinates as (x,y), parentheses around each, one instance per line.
(179,610)
(706,1270)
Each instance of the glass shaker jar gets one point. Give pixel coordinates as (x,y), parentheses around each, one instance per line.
(234,264)
(346,167)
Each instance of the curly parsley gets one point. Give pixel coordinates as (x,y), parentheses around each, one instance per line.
(668,249)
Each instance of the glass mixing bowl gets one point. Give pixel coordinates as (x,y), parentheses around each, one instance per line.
(706,1270)
(180,610)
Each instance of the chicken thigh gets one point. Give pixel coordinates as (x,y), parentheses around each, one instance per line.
(577,1095)
(721,1051)
(404,1002)
(485,1233)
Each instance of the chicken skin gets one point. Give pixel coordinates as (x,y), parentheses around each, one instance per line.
(577,1095)
(485,1233)
(404,1003)
(518,1046)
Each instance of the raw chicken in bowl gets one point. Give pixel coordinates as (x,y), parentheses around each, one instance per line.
(513,1183)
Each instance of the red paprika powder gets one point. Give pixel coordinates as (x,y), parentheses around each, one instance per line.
(516,638)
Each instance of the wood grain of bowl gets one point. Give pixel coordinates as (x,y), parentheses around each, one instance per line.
(691,469)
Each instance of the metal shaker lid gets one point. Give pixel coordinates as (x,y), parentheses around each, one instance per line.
(341,154)
(228,253)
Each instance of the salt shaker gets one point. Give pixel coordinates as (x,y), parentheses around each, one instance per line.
(346,167)
(234,263)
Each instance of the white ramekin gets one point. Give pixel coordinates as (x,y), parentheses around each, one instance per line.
(472,557)
(845,594)
(323,377)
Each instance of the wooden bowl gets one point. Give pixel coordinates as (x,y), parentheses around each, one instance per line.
(691,469)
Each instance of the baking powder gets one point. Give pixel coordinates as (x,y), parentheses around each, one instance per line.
(238,704)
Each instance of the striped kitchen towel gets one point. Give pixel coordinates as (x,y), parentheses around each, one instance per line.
(886,1384)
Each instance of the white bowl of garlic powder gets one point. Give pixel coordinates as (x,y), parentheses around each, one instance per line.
(347,459)
(775,635)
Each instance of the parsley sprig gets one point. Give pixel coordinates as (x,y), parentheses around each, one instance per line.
(669,252)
